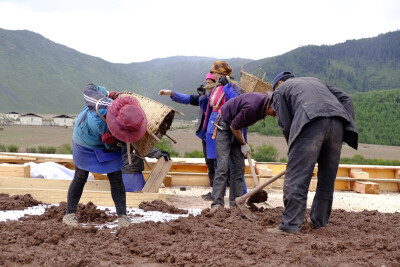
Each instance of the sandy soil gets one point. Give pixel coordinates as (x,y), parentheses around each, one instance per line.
(226,238)
(185,143)
(34,136)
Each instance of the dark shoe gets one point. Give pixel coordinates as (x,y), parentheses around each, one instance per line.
(276,230)
(207,196)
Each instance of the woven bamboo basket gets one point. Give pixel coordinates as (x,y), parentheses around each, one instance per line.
(251,83)
(159,120)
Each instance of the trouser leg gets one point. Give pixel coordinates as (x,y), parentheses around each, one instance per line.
(221,172)
(75,189)
(118,192)
(236,172)
(303,155)
(209,163)
(328,163)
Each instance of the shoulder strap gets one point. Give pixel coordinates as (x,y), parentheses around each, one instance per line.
(97,109)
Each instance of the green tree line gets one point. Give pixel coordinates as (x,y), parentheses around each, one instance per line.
(377,115)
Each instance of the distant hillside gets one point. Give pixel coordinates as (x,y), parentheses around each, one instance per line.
(38,75)
(354,66)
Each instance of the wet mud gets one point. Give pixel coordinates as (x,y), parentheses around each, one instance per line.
(17,202)
(159,205)
(367,238)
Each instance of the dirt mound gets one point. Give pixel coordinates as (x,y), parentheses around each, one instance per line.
(159,205)
(85,213)
(17,202)
(367,238)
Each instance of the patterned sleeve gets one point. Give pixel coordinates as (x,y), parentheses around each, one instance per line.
(94,93)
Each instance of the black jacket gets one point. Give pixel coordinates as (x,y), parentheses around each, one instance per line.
(137,163)
(298,101)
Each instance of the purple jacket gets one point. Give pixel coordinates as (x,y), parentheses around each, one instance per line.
(245,110)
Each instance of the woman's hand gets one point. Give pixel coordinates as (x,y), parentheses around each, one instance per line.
(165,92)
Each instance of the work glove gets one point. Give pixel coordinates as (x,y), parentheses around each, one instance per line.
(108,139)
(165,155)
(245,149)
(113,94)
(201,91)
(165,92)
(224,80)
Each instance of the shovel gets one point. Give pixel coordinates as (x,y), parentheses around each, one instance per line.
(241,201)
(262,195)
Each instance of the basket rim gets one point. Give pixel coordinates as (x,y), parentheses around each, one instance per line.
(254,77)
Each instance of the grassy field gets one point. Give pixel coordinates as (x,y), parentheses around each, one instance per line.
(34,136)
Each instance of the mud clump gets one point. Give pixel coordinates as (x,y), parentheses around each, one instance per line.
(258,197)
(159,205)
(85,213)
(17,202)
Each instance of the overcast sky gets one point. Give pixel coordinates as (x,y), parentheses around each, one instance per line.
(125,31)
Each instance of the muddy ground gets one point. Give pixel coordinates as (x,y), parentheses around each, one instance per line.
(367,238)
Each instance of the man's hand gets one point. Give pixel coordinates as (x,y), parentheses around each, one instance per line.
(245,149)
(201,91)
(165,155)
(113,94)
(108,138)
(165,92)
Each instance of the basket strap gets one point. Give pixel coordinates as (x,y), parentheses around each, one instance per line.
(97,109)
(220,99)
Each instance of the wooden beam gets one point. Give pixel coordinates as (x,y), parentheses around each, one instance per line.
(157,175)
(358,174)
(364,187)
(15,170)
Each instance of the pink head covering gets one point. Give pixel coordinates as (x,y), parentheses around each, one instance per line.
(210,76)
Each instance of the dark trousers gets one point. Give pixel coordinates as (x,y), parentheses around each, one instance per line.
(228,149)
(210,164)
(319,141)
(76,188)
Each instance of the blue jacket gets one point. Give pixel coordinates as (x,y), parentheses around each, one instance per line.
(194,101)
(89,126)
(231,91)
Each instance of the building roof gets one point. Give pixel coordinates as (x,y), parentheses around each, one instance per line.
(63,116)
(12,112)
(31,115)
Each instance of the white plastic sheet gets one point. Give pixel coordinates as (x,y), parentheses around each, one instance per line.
(52,170)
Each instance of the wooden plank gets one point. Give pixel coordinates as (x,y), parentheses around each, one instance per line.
(15,170)
(263,171)
(99,198)
(357,173)
(364,187)
(39,183)
(157,176)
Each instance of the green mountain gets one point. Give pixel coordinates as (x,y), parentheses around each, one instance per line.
(353,66)
(38,75)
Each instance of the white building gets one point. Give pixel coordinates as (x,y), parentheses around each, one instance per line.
(63,120)
(12,115)
(31,119)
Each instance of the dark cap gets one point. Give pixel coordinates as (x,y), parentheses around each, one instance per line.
(282,76)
